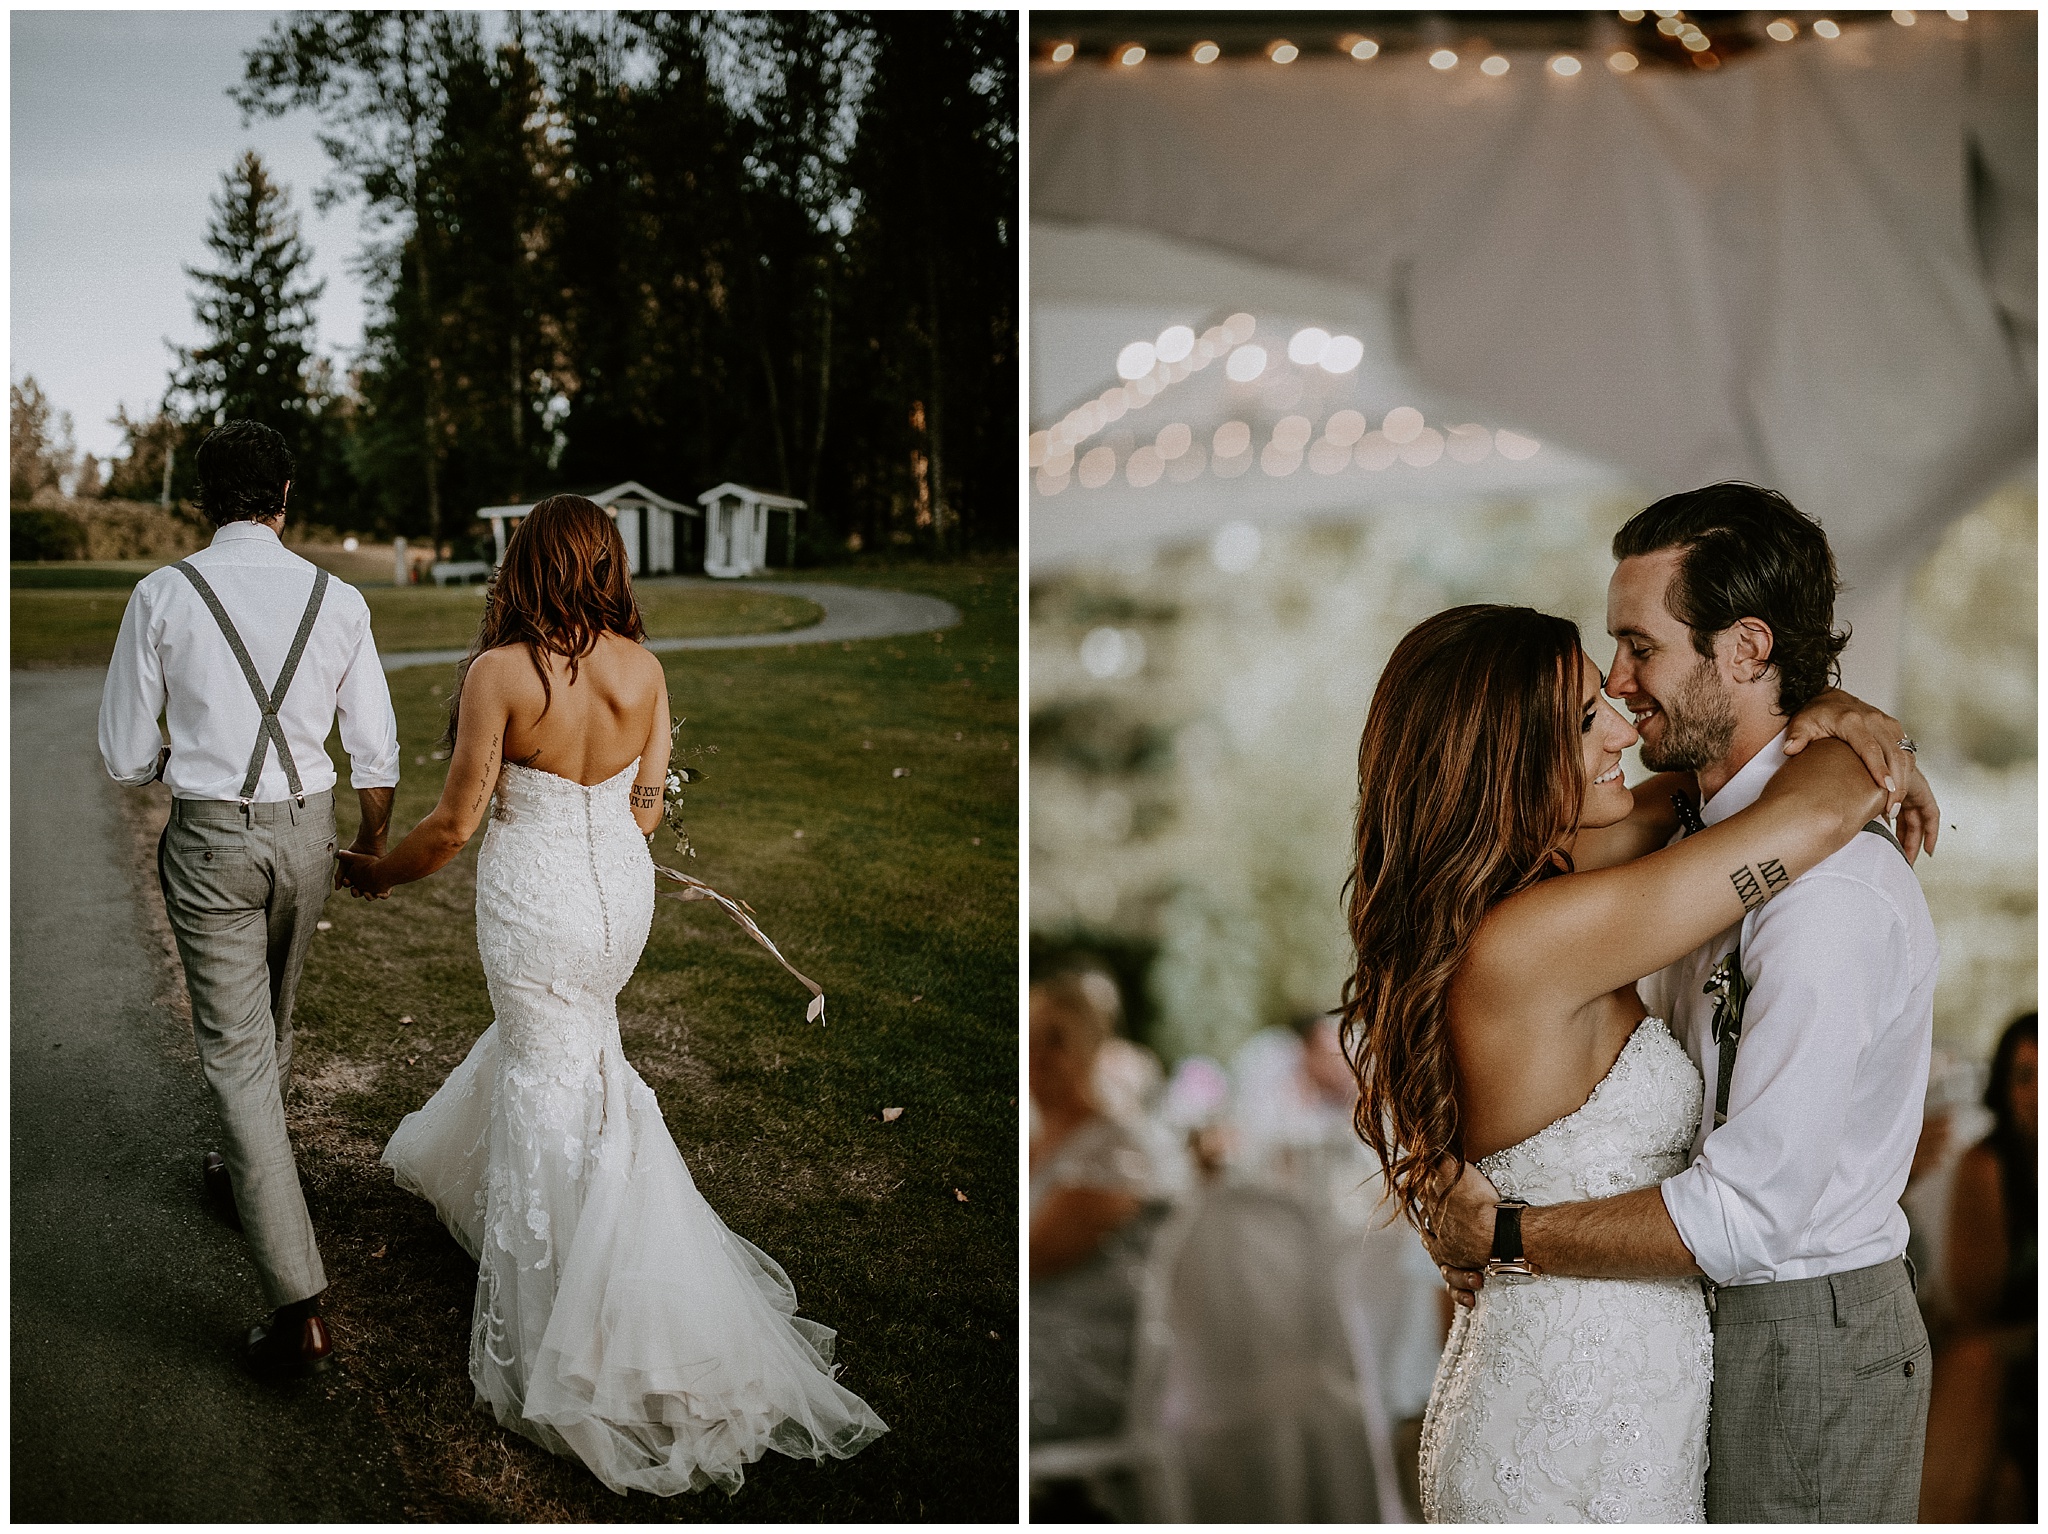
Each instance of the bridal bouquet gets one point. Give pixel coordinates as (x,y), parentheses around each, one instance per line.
(680,776)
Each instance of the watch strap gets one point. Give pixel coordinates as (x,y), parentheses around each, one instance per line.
(1507,1230)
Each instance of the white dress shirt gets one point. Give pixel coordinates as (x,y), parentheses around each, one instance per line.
(1824,1104)
(172,659)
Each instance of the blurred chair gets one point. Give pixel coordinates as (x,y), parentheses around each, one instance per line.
(1254,1394)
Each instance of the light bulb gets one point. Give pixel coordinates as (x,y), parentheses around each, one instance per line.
(1134,54)
(1443,58)
(1784,31)
(1207,53)
(1496,65)
(1564,64)
(1621,62)
(1061,52)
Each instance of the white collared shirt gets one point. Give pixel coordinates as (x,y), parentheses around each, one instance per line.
(172,659)
(1824,1104)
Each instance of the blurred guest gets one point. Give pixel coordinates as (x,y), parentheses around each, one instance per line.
(1981,1418)
(1093,1194)
(1293,1089)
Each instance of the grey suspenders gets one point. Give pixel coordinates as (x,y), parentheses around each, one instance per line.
(270,732)
(1731,991)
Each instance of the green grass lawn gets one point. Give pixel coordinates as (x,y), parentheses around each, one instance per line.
(68,615)
(900,898)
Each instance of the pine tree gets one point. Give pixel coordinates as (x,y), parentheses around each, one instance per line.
(256,309)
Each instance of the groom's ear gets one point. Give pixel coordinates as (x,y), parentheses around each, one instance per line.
(1751,656)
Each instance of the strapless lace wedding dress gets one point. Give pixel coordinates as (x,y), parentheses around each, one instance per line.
(1582,1400)
(617,1319)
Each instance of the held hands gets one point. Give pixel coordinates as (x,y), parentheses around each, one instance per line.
(356,871)
(1463,1238)
(1879,741)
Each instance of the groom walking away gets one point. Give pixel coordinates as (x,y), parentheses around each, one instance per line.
(249,652)
(1721,609)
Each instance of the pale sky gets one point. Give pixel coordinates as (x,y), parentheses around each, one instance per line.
(121,128)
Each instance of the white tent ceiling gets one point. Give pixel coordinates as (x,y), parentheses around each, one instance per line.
(1813,269)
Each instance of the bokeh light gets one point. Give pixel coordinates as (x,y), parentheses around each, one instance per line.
(1342,354)
(1235,547)
(1246,363)
(1238,329)
(1469,443)
(1783,30)
(1207,53)
(1136,360)
(1283,53)
(1443,58)
(1232,439)
(1061,52)
(1564,64)
(1306,347)
(1291,433)
(1494,65)
(1133,54)
(1513,445)
(1425,450)
(1826,28)
(1326,457)
(1364,48)
(1278,461)
(1621,61)
(1174,344)
(1173,440)
(1345,427)
(1145,467)
(1097,467)
(1402,424)
(1375,452)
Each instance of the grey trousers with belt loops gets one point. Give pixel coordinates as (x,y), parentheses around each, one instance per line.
(1820,1400)
(243,886)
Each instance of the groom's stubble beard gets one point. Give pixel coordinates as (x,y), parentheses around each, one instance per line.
(1699,724)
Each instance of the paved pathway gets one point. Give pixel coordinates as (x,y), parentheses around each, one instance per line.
(851,612)
(127,1299)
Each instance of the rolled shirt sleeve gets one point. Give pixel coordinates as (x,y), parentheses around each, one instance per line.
(133,697)
(1825,962)
(369,728)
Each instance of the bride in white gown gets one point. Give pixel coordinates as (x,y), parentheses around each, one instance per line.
(616,1319)
(1508,893)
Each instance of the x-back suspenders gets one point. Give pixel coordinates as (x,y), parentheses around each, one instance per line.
(270,731)
(1730,991)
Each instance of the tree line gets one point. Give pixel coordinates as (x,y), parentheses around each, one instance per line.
(674,248)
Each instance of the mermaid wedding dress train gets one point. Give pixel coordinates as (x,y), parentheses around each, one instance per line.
(617,1319)
(1582,1400)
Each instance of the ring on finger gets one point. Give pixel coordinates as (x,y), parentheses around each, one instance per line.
(1906,744)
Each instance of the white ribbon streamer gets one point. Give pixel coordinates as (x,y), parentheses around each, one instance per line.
(697,889)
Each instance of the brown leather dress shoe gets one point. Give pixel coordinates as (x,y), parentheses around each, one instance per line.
(220,1190)
(290,1351)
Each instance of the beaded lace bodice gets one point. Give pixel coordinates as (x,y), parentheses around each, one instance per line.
(1566,1399)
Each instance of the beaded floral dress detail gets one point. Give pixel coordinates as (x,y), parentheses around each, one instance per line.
(1570,1400)
(616,1319)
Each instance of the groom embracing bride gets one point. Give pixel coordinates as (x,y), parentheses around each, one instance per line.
(1656,1196)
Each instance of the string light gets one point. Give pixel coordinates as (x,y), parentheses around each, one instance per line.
(1826,28)
(1232,439)
(1134,54)
(1958,15)
(1696,42)
(1307,346)
(1342,354)
(1246,363)
(1670,26)
(1784,31)
(1364,48)
(1904,18)
(1621,62)
(1564,64)
(1136,360)
(1061,52)
(1207,53)
(1633,16)
(1443,58)
(1495,65)
(1173,440)
(1283,52)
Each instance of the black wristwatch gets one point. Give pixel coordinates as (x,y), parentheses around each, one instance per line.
(1507,1255)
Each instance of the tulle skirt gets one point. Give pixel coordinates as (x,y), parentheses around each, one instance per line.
(617,1319)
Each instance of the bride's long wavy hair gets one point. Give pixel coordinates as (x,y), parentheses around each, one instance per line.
(563,582)
(1470,783)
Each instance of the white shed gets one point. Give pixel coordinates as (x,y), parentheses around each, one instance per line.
(647,523)
(736,528)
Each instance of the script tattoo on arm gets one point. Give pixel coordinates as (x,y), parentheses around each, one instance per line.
(489,779)
(1749,888)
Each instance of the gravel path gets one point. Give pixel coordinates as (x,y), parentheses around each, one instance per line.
(851,612)
(127,1299)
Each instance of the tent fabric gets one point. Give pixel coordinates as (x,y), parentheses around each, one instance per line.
(1812,268)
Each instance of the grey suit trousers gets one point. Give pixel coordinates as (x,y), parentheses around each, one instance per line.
(243,886)
(1820,1400)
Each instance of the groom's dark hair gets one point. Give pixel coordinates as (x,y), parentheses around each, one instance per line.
(243,469)
(1749,553)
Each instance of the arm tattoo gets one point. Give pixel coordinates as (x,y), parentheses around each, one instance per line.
(1748,888)
(490,774)
(646,795)
(1774,875)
